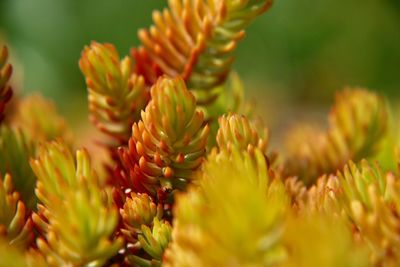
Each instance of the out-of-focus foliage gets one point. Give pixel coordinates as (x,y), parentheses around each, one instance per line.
(372,200)
(358,123)
(41,117)
(15,224)
(310,55)
(11,256)
(5,74)
(189,181)
(15,151)
(329,243)
(233,185)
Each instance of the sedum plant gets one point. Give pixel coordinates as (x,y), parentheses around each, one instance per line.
(190,180)
(79,216)
(252,196)
(116,94)
(168,144)
(15,223)
(358,123)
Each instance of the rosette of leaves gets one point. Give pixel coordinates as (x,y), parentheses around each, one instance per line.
(195,40)
(138,210)
(232,185)
(80,216)
(358,124)
(168,144)
(237,131)
(116,94)
(15,223)
(153,240)
(148,235)
(15,151)
(5,74)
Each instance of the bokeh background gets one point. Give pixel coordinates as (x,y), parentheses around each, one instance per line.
(293,60)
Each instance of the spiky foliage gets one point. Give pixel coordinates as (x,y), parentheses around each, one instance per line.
(15,223)
(116,94)
(229,97)
(81,218)
(322,196)
(40,120)
(15,151)
(237,210)
(195,40)
(138,210)
(371,199)
(5,74)
(357,125)
(154,241)
(168,144)
(236,130)
(206,218)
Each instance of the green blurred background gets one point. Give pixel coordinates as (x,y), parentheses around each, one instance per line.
(298,53)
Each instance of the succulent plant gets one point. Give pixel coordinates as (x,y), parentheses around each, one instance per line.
(81,217)
(116,93)
(251,195)
(195,40)
(15,223)
(15,151)
(358,123)
(190,181)
(168,144)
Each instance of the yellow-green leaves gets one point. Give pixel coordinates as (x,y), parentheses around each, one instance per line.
(196,40)
(235,130)
(222,28)
(5,74)
(168,144)
(236,200)
(138,210)
(321,240)
(116,95)
(81,217)
(367,201)
(15,224)
(15,151)
(154,241)
(357,125)
(371,199)
(173,201)
(12,256)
